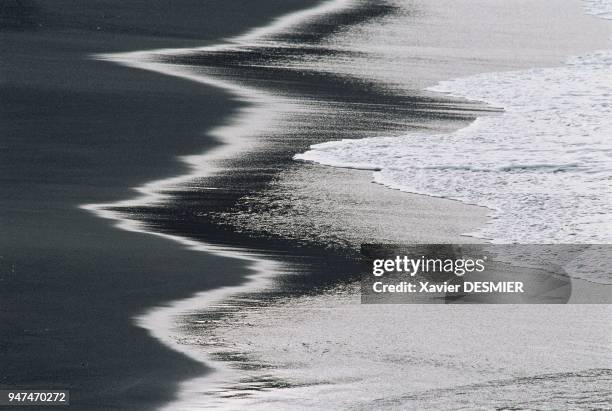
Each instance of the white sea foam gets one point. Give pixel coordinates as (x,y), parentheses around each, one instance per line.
(599,8)
(543,167)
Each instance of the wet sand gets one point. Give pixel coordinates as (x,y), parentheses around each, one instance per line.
(320,81)
(264,200)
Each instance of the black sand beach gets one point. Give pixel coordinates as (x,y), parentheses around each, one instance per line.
(332,107)
(76,131)
(245,209)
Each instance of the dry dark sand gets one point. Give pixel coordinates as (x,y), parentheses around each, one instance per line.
(73,131)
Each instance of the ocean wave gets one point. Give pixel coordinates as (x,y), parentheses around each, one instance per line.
(543,166)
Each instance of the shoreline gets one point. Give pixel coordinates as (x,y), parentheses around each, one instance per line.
(198,300)
(160,321)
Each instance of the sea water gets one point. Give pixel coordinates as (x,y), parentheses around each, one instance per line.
(329,351)
(543,166)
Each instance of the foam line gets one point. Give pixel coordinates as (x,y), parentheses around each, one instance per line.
(160,321)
